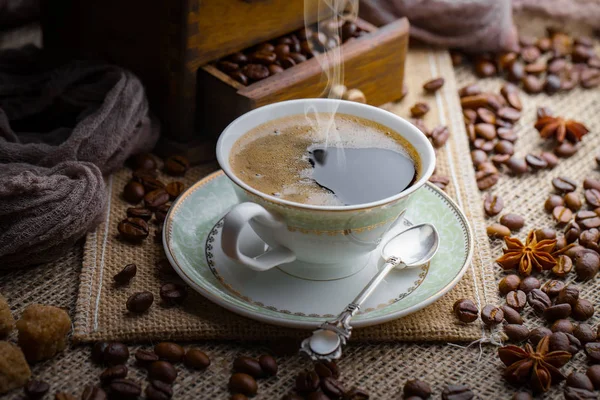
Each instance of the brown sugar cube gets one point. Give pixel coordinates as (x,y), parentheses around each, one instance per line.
(14,371)
(7,322)
(43,331)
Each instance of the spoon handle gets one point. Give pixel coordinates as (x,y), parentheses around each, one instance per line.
(321,345)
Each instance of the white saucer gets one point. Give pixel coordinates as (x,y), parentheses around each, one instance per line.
(192,238)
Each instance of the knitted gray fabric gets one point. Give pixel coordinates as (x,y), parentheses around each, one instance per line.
(61,128)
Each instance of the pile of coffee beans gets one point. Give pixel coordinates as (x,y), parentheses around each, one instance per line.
(493,206)
(416,389)
(159,363)
(247,370)
(275,56)
(156,195)
(553,63)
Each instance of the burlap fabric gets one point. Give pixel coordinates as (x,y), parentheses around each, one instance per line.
(101,306)
(380,368)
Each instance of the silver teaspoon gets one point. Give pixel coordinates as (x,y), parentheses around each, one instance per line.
(413,247)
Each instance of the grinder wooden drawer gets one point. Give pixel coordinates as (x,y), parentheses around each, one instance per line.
(373,63)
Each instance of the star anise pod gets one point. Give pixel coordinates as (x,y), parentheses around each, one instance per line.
(539,367)
(526,257)
(560,128)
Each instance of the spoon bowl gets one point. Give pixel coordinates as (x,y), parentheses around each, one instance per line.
(415,246)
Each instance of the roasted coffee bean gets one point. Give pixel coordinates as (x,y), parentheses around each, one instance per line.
(593,373)
(485,131)
(511,95)
(562,325)
(584,333)
(332,388)
(588,219)
(317,396)
(439,136)
(589,239)
(486,179)
(516,300)
(36,389)
(149,182)
(469,90)
(239,396)
(572,232)
(326,369)
(504,147)
(493,204)
(552,202)
(535,162)
(126,274)
(268,364)
(497,231)
(509,114)
(571,393)
(583,310)
(133,229)
(282,50)
(160,213)
(297,57)
(165,267)
(485,115)
(440,181)
(169,351)
(530,54)
(560,341)
(133,192)
(516,333)
(139,212)
(592,350)
(145,357)
(239,76)
(509,283)
(562,215)
(522,396)
(485,145)
(115,353)
(248,365)
(561,243)
(156,198)
(287,62)
(579,380)
(507,134)
(112,373)
(587,265)
(545,233)
(491,315)
(592,196)
(538,334)
(262,57)
(238,58)
(564,185)
(157,390)
(144,161)
(532,84)
(529,283)
(173,293)
(307,381)
(558,311)
(419,109)
(517,166)
(416,387)
(499,159)
(98,352)
(163,371)
(196,359)
(565,149)
(227,66)
(536,68)
(538,300)
(552,84)
(570,295)
(255,72)
(590,183)
(573,201)
(553,287)
(174,189)
(125,389)
(457,392)
(485,68)
(511,315)
(434,84)
(478,157)
(590,78)
(356,394)
(140,302)
(550,159)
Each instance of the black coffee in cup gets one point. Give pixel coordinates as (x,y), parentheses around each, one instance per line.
(325,159)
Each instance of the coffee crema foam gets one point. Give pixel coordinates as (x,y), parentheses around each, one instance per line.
(273,158)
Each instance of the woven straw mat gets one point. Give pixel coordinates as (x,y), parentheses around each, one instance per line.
(101,306)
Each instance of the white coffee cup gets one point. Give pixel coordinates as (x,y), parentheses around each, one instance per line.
(305,240)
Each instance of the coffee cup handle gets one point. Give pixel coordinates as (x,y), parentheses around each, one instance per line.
(233,223)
